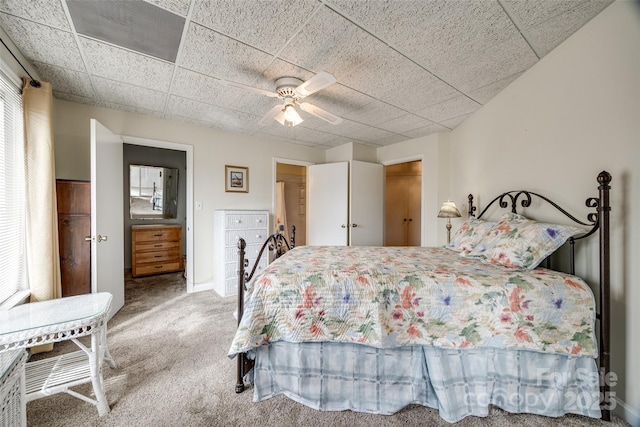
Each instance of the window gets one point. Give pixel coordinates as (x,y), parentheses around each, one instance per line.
(12,200)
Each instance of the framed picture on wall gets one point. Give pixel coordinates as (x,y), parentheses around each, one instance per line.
(236,179)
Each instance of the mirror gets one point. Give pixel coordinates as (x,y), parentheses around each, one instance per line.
(153,192)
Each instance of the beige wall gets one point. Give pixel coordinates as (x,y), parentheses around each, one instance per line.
(212,150)
(574,114)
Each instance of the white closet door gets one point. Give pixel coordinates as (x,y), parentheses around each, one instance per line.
(327,216)
(367,204)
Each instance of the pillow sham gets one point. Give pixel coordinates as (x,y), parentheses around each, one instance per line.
(520,242)
(469,234)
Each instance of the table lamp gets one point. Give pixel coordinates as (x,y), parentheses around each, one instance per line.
(449,210)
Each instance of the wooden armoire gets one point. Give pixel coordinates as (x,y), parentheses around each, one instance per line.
(74,224)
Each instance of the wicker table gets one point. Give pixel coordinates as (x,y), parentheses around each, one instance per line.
(12,402)
(57,320)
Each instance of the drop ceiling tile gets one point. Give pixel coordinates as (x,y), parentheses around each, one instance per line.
(179,7)
(42,43)
(114,63)
(405,123)
(496,63)
(485,93)
(219,56)
(455,121)
(340,100)
(221,117)
(450,108)
(255,104)
(68,81)
(45,12)
(279,68)
(425,131)
(526,13)
(389,140)
(65,96)
(398,81)
(330,43)
(190,120)
(129,95)
(441,31)
(312,135)
(199,87)
(358,131)
(548,35)
(353,105)
(265,24)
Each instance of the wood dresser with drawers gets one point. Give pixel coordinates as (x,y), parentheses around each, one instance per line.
(155,249)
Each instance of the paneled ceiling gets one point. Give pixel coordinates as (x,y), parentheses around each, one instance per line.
(404,68)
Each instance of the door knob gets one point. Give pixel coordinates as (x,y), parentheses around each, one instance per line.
(94,239)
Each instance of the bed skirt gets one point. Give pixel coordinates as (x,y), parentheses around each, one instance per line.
(457,382)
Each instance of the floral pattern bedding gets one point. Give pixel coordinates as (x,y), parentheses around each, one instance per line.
(396,296)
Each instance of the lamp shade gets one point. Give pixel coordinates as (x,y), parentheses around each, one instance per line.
(449,210)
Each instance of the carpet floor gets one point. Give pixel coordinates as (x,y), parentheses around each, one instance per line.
(172,369)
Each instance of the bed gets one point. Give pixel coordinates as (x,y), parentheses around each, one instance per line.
(481,321)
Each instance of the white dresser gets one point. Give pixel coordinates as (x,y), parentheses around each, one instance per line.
(228,227)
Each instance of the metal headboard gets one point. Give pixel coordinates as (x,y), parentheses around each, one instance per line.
(597,221)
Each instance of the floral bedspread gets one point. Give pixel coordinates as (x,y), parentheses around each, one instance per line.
(395,296)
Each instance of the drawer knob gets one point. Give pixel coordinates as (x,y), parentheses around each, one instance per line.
(238,221)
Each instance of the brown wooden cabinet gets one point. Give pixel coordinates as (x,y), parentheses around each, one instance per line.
(155,249)
(74,224)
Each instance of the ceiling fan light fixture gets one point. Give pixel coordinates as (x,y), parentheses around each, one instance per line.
(291,116)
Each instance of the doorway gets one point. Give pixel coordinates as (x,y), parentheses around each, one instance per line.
(185,196)
(291,200)
(403,204)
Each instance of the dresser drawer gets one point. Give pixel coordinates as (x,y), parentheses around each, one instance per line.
(240,221)
(232,268)
(155,246)
(250,252)
(158,256)
(250,236)
(156,235)
(147,269)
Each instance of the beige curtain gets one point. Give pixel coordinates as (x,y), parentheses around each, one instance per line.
(43,257)
(281,211)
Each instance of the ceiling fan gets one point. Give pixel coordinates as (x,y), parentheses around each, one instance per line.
(292,90)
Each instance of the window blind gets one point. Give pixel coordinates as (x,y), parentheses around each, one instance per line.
(12,199)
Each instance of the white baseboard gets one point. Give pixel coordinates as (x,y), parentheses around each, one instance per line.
(200,287)
(629,414)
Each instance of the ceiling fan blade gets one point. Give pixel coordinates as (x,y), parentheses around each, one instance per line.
(320,113)
(250,88)
(272,114)
(315,83)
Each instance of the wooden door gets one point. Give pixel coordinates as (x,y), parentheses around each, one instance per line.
(74,226)
(403,204)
